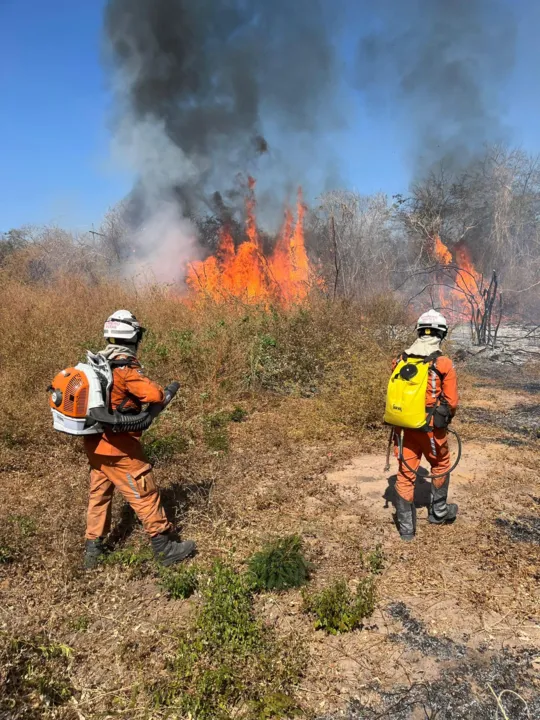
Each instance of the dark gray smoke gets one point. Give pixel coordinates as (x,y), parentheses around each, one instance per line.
(442,66)
(197,84)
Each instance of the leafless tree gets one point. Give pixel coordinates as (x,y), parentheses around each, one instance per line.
(352,235)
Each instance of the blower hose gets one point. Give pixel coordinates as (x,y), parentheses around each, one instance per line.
(120,423)
(402,460)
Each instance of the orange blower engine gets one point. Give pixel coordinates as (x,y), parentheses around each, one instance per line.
(79,399)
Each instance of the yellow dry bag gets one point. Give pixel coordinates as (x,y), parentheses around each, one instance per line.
(406,394)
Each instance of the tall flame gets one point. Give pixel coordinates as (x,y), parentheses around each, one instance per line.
(461,299)
(246,273)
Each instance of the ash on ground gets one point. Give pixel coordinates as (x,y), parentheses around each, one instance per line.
(515,344)
(470,682)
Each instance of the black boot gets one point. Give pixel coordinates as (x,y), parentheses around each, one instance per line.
(440,511)
(93,552)
(406,518)
(168,552)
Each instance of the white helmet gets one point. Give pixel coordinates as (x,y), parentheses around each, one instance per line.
(432,320)
(123,326)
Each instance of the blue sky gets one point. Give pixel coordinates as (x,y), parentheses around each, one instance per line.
(55,165)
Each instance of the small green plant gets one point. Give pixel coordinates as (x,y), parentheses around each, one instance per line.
(180,583)
(137,561)
(128,556)
(6,554)
(25,525)
(238,414)
(280,565)
(216,434)
(338,610)
(374,560)
(215,430)
(35,677)
(81,623)
(164,448)
(276,705)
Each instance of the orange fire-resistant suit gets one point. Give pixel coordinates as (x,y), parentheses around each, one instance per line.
(433,445)
(117,460)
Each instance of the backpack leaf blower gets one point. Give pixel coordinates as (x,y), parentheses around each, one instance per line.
(79,399)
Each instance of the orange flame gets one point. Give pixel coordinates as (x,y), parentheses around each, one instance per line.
(441,252)
(246,273)
(465,296)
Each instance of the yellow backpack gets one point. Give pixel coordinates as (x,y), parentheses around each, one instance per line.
(406,394)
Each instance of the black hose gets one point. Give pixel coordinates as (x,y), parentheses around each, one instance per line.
(431,476)
(121,423)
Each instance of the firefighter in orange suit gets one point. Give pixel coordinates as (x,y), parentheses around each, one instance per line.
(441,397)
(117,459)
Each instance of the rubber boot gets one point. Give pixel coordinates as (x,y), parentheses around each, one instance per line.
(406,518)
(93,552)
(168,552)
(441,512)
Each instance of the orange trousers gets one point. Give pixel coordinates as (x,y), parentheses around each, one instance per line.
(134,479)
(434,447)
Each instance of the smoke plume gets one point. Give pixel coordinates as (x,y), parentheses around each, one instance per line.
(196,85)
(441,65)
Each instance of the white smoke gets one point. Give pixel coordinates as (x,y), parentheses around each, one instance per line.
(165,244)
(166,241)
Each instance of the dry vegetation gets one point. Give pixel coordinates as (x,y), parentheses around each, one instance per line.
(271,402)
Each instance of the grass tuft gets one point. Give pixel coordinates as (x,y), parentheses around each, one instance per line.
(158,449)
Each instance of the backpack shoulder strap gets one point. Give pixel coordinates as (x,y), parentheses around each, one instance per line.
(433,360)
(124,362)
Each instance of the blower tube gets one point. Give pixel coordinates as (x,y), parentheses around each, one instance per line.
(120,423)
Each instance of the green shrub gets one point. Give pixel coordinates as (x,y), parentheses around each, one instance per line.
(180,583)
(280,565)
(230,665)
(337,609)
(227,618)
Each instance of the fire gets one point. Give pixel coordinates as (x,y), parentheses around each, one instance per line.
(461,286)
(441,252)
(246,273)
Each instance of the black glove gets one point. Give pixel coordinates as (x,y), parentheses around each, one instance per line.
(170,392)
